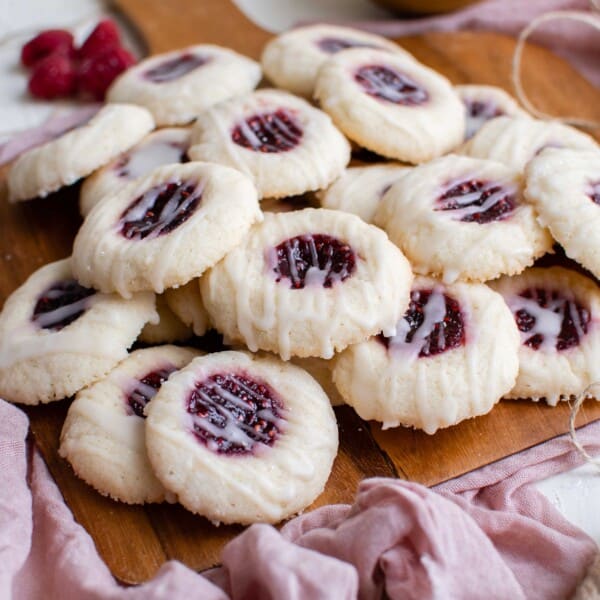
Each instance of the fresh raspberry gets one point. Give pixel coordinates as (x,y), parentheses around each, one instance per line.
(53,77)
(46,43)
(98,72)
(104,36)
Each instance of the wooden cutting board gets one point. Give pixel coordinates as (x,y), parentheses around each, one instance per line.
(135,541)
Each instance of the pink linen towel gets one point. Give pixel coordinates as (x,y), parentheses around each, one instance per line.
(485,535)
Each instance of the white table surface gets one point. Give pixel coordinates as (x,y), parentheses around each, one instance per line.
(575,493)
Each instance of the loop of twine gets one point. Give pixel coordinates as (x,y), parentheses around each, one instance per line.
(592,20)
(587,393)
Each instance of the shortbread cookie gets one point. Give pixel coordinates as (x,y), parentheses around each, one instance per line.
(321,370)
(453,357)
(164,229)
(564,186)
(558,314)
(463,218)
(308,283)
(177,86)
(163,147)
(186,304)
(281,141)
(169,328)
(514,141)
(391,104)
(79,152)
(360,189)
(103,436)
(485,102)
(292,60)
(57,336)
(242,439)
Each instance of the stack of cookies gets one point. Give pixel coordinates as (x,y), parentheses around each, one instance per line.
(404,288)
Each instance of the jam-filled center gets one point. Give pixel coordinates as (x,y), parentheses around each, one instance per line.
(548,319)
(145,159)
(160,210)
(477,201)
(594,192)
(174,68)
(432,324)
(274,131)
(61,304)
(390,85)
(145,389)
(313,259)
(333,45)
(233,412)
(478,112)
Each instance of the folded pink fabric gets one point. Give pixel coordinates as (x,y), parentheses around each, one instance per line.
(485,535)
(577,42)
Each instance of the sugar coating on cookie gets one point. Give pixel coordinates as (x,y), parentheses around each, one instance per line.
(514,141)
(164,229)
(485,102)
(557,312)
(292,60)
(177,86)
(186,302)
(283,143)
(564,186)
(58,336)
(162,147)
(241,438)
(359,190)
(308,283)
(62,161)
(169,328)
(103,436)
(463,218)
(453,357)
(391,105)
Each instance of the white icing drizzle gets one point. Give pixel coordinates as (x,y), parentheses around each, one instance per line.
(434,312)
(149,156)
(233,431)
(466,208)
(488,111)
(60,314)
(171,209)
(548,319)
(416,94)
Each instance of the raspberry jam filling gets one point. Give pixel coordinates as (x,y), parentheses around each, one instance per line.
(432,324)
(390,85)
(478,113)
(478,201)
(548,319)
(594,192)
(276,131)
(61,304)
(140,162)
(313,259)
(146,388)
(160,210)
(174,68)
(333,45)
(233,412)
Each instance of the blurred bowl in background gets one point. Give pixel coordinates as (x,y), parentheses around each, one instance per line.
(423,7)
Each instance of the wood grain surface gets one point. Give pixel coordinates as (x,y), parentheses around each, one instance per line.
(136,541)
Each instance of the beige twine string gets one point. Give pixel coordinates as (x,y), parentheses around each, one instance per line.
(593,20)
(587,393)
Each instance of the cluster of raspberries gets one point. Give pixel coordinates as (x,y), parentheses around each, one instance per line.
(59,69)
